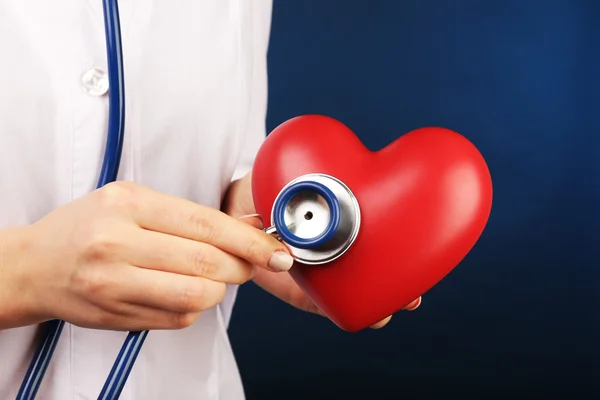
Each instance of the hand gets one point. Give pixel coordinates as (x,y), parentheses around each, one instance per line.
(238,203)
(126,257)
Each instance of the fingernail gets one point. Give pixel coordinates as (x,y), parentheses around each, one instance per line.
(381,323)
(281,261)
(414,305)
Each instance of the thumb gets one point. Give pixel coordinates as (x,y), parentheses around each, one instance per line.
(254,220)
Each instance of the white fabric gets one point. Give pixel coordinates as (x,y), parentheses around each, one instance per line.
(196,105)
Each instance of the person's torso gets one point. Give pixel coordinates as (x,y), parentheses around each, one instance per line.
(191,71)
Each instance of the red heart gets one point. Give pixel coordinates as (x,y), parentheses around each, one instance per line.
(425,200)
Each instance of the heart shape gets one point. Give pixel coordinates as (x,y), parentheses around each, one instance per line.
(425,200)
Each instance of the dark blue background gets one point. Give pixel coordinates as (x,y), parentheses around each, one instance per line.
(521,80)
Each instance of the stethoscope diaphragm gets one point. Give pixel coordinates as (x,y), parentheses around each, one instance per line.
(317,216)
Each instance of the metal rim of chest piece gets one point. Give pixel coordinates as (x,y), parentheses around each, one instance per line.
(317,216)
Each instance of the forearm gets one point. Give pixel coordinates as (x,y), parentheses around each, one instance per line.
(17,303)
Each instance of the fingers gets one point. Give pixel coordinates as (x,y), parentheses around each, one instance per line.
(137,318)
(167,214)
(382,323)
(158,290)
(413,305)
(153,250)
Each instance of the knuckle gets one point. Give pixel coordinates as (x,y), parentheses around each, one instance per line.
(222,290)
(184,320)
(203,227)
(252,250)
(248,273)
(98,246)
(245,273)
(91,280)
(101,320)
(215,294)
(201,264)
(117,195)
(191,299)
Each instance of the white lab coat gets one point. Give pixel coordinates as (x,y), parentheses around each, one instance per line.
(196,105)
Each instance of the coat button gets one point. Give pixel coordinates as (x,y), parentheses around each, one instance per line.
(95,82)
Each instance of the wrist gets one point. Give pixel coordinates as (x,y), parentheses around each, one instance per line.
(18,303)
(238,197)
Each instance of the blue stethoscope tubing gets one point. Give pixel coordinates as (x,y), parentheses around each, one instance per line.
(132,345)
(110,168)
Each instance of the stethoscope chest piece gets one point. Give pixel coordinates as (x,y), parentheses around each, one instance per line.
(317,216)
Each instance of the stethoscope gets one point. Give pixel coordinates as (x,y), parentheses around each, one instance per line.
(316,215)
